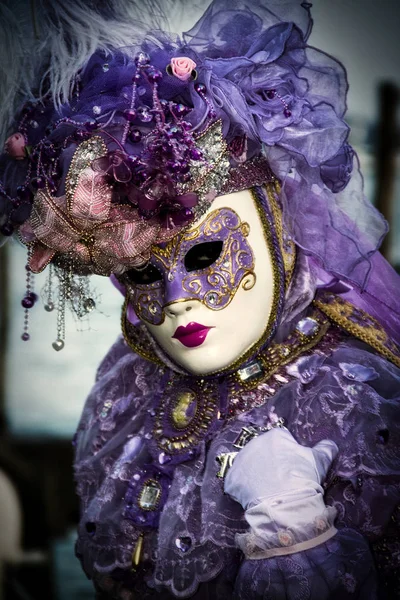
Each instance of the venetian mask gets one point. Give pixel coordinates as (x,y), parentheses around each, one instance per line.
(207,296)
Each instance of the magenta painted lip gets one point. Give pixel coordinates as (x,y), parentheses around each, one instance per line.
(192,335)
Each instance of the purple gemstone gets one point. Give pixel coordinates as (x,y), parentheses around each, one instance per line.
(287,113)
(91,124)
(212,114)
(130,114)
(27,302)
(181,110)
(307,326)
(136,77)
(144,114)
(271,94)
(200,88)
(174,166)
(33,296)
(164,458)
(174,131)
(154,75)
(135,136)
(183,543)
(195,154)
(142,58)
(38,183)
(184,167)
(25,336)
(7,229)
(186,125)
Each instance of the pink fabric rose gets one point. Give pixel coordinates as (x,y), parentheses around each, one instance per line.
(182,67)
(15,146)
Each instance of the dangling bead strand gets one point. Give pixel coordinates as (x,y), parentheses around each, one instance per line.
(62,294)
(49,306)
(28,301)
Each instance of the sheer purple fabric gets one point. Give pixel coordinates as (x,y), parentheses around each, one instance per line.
(346,394)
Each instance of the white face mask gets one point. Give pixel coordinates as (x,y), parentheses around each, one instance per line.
(210,315)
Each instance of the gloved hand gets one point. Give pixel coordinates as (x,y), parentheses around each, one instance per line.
(278,483)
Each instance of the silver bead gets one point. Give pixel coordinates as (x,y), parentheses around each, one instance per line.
(58,345)
(89,304)
(49,307)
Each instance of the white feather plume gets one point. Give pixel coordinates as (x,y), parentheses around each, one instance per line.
(44,43)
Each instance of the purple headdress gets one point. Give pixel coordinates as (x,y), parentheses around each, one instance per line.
(153,133)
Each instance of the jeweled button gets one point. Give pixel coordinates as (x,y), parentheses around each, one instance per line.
(184,409)
(183,543)
(307,326)
(150,495)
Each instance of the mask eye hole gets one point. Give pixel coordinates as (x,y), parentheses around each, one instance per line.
(203,255)
(149,274)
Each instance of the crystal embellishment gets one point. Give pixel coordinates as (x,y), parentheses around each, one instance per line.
(89,304)
(307,326)
(150,495)
(183,543)
(252,370)
(184,409)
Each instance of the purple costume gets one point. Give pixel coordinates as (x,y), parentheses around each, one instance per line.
(152,135)
(340,389)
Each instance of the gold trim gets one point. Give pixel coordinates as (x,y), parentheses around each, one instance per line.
(289,259)
(131,335)
(340,311)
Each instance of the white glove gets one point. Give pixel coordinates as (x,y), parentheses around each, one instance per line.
(278,483)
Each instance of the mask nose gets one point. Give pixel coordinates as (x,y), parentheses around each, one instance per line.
(177,309)
(173,289)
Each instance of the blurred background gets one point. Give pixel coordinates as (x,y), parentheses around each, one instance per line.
(42,392)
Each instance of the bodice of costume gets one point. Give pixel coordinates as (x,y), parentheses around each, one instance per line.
(152,447)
